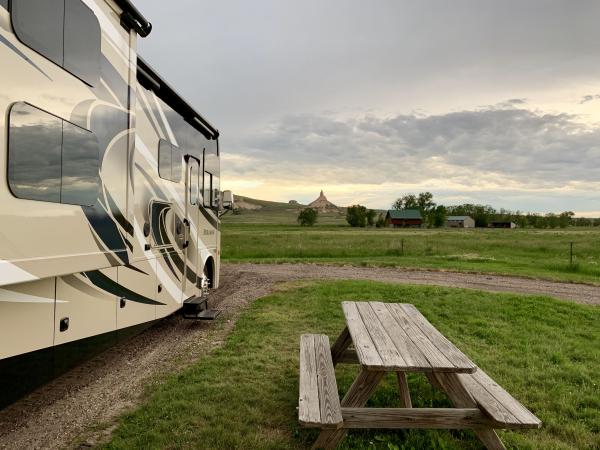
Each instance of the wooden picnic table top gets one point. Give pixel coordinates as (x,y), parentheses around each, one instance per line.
(397,337)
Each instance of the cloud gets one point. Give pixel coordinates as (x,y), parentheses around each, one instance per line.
(589,98)
(489,149)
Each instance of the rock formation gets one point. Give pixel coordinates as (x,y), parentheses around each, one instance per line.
(323,205)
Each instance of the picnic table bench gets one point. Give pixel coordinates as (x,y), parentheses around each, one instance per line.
(396,337)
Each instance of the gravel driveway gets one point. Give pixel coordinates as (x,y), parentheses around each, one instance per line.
(66,413)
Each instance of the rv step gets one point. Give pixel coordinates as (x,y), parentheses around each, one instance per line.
(194,306)
(195,301)
(205,314)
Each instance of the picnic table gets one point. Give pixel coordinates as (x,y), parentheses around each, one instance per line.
(396,337)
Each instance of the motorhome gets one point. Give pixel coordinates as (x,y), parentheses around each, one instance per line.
(109,189)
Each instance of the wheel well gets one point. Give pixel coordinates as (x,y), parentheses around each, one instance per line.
(209,270)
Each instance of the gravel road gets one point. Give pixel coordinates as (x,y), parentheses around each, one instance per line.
(579,293)
(78,409)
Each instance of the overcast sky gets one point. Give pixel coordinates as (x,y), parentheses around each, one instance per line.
(485,101)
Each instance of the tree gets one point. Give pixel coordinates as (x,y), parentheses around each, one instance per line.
(437,217)
(564,219)
(425,202)
(380,221)
(356,216)
(371,213)
(308,217)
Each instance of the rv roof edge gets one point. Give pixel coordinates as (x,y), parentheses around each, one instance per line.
(151,80)
(132,18)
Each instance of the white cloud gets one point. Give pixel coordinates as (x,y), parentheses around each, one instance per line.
(499,148)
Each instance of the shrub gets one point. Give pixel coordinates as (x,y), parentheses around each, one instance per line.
(308,217)
(357,216)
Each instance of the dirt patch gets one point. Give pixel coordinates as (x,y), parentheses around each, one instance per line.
(579,293)
(79,409)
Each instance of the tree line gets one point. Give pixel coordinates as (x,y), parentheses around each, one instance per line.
(435,216)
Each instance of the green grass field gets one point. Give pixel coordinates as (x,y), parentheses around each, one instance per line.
(523,252)
(244,395)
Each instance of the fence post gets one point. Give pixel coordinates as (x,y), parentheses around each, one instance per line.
(571,253)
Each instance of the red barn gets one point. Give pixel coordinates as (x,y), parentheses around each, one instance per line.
(404,218)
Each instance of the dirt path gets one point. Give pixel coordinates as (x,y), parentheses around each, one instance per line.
(579,293)
(68,411)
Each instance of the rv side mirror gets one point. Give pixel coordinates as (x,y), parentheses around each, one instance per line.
(227,200)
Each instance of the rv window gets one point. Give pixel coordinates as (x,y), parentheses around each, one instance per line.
(82,42)
(80,161)
(66,32)
(206,192)
(176,156)
(169,161)
(215,199)
(39,25)
(34,148)
(50,159)
(193,184)
(164,159)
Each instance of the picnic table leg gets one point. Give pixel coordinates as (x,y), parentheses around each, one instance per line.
(461,398)
(405,401)
(433,381)
(341,344)
(359,393)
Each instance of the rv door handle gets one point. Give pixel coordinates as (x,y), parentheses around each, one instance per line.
(186,233)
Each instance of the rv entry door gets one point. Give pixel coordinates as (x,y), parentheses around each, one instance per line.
(192,195)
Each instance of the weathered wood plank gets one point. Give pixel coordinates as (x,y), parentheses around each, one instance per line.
(433,381)
(365,348)
(411,354)
(329,399)
(450,351)
(461,398)
(389,354)
(309,412)
(485,401)
(438,361)
(490,439)
(361,390)
(405,400)
(493,394)
(340,345)
(395,418)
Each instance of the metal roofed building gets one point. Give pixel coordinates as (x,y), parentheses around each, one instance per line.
(404,218)
(460,222)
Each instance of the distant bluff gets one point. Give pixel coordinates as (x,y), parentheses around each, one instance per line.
(323,205)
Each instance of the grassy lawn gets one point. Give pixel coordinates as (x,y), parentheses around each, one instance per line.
(244,395)
(535,253)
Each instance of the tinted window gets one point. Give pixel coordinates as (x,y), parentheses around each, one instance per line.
(176,164)
(216,194)
(169,161)
(193,183)
(80,161)
(34,153)
(206,193)
(39,25)
(50,159)
(81,41)
(64,31)
(164,160)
